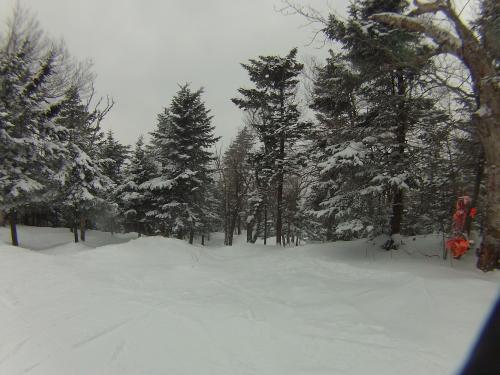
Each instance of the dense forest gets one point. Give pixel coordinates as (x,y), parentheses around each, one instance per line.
(406,120)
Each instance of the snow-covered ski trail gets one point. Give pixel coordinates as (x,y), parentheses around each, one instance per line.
(154,305)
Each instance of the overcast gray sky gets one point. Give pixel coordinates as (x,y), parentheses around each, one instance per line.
(142,49)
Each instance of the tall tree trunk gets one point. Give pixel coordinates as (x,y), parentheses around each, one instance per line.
(398,194)
(258,226)
(256,223)
(191,236)
(203,240)
(265,225)
(82,228)
(75,231)
(249,231)
(230,231)
(397,211)
(13,227)
(281,160)
(257,213)
(226,230)
(329,228)
(489,132)
(226,217)
(279,195)
(477,188)
(237,204)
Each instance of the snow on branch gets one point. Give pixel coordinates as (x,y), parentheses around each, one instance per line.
(447,8)
(427,7)
(445,39)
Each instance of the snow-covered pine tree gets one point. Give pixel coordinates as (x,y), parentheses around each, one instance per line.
(336,163)
(30,142)
(236,173)
(113,157)
(260,196)
(210,218)
(389,59)
(272,102)
(135,202)
(181,144)
(372,100)
(84,183)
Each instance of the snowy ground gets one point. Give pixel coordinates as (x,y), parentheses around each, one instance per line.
(160,306)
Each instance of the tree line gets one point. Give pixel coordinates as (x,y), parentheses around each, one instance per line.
(398,133)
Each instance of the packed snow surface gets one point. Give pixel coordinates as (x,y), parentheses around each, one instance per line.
(160,306)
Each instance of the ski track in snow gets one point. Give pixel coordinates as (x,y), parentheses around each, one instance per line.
(161,306)
(100,333)
(14,350)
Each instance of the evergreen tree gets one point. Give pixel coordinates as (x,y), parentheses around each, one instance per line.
(30,141)
(113,156)
(134,201)
(84,183)
(210,220)
(272,102)
(236,182)
(260,197)
(335,162)
(181,144)
(372,102)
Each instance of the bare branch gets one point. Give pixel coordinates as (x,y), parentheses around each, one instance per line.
(463,8)
(102,112)
(311,14)
(313,17)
